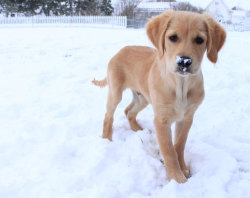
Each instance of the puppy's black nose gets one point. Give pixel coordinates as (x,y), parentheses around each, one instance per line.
(183,61)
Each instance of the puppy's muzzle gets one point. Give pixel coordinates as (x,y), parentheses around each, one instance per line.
(184,63)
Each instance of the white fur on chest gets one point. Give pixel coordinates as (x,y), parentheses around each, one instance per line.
(181,101)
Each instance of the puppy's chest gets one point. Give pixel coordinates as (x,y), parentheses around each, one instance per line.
(180,107)
(182,101)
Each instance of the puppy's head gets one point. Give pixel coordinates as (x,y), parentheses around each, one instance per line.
(181,38)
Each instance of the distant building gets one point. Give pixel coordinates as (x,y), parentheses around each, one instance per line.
(239,16)
(219,10)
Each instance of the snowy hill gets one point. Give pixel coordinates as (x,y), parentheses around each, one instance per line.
(51,121)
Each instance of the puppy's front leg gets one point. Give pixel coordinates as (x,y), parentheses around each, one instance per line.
(181,133)
(163,130)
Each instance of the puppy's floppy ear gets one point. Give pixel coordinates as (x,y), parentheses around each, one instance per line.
(156,29)
(216,38)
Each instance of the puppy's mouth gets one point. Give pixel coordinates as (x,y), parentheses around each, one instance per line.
(183,70)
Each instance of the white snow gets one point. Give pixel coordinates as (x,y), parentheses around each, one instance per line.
(187,60)
(51,121)
(178,59)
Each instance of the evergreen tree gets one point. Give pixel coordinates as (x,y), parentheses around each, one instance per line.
(30,7)
(87,7)
(106,7)
(92,7)
(56,7)
(9,7)
(25,7)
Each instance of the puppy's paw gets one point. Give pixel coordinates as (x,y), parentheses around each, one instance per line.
(187,173)
(178,177)
(136,127)
(134,124)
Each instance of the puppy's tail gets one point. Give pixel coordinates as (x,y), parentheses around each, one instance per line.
(100,83)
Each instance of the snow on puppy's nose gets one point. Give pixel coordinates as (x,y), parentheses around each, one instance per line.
(183,61)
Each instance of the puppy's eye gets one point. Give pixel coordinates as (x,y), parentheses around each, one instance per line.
(199,40)
(174,38)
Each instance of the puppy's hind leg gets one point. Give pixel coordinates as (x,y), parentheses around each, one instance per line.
(138,103)
(114,97)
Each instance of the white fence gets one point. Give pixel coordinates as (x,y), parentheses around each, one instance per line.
(105,21)
(113,21)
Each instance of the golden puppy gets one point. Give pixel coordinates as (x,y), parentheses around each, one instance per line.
(168,77)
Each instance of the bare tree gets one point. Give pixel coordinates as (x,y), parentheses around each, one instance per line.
(126,7)
(183,6)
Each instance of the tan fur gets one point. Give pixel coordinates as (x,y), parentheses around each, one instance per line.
(100,83)
(151,74)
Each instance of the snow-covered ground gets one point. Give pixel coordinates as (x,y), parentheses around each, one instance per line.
(51,121)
